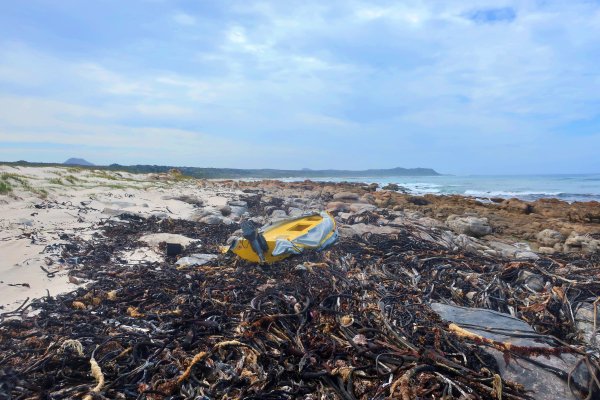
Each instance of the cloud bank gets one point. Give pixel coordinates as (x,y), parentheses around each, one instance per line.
(512,87)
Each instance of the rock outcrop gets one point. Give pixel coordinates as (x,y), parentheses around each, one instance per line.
(472,226)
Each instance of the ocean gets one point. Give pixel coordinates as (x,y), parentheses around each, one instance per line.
(526,187)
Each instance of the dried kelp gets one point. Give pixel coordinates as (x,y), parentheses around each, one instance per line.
(353,322)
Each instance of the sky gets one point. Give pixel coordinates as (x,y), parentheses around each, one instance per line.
(464,87)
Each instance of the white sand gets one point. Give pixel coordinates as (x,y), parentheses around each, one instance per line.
(76,201)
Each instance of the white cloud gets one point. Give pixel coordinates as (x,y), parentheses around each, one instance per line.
(384,75)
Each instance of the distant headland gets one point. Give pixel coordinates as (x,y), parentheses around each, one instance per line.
(236,173)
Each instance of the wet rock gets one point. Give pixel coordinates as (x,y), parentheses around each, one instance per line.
(346,196)
(471,226)
(418,200)
(532,280)
(391,186)
(549,237)
(225,210)
(371,187)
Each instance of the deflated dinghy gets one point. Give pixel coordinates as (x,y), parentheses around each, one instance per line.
(282,238)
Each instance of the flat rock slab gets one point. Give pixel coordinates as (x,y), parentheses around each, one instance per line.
(488,323)
(361,228)
(505,328)
(154,239)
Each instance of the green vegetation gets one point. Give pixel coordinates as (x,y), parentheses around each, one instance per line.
(5,187)
(7,177)
(56,181)
(104,175)
(178,176)
(72,179)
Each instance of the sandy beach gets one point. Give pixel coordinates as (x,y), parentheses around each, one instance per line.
(49,202)
(65,230)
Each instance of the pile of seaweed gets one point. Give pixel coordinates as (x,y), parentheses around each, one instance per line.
(352,322)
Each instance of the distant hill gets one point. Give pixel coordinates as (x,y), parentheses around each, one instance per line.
(278,173)
(78,161)
(235,173)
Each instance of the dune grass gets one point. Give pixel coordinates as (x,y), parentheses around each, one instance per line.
(9,179)
(5,187)
(104,175)
(72,179)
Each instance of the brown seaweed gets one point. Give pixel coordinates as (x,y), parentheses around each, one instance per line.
(352,322)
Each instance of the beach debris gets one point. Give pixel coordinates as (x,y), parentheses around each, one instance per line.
(284,237)
(379,315)
(172,249)
(195,259)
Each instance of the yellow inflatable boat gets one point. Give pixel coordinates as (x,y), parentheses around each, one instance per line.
(280,239)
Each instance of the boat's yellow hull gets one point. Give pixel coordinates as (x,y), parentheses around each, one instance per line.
(287,230)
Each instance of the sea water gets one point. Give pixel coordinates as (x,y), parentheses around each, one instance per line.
(526,187)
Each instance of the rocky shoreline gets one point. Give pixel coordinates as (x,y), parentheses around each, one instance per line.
(396,308)
(546,226)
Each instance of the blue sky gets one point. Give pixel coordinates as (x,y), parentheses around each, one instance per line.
(465,87)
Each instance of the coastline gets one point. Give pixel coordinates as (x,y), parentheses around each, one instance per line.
(32,221)
(80,212)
